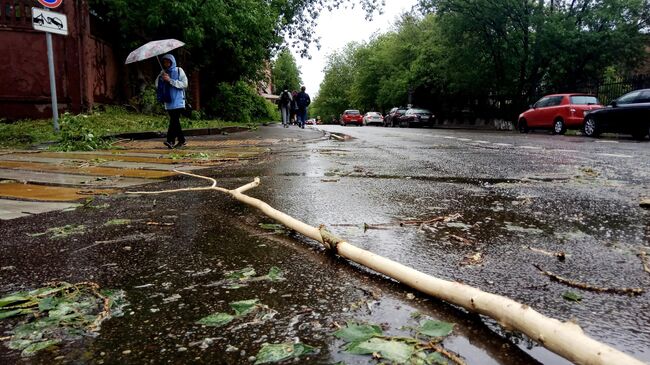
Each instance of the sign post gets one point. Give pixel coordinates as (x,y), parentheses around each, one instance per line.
(50,22)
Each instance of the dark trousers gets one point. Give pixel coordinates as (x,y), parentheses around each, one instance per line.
(175,130)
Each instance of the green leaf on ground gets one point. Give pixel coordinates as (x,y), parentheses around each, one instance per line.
(118,222)
(216,320)
(435,328)
(38,346)
(243,307)
(274,274)
(279,352)
(14,299)
(61,232)
(391,350)
(242,274)
(571,296)
(276,228)
(12,313)
(436,359)
(355,332)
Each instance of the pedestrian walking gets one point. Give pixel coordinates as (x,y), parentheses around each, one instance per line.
(303,102)
(285,107)
(294,107)
(170,87)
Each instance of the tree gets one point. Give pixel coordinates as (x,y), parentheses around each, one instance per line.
(227,40)
(286,75)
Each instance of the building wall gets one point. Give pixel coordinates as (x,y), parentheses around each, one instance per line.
(86,68)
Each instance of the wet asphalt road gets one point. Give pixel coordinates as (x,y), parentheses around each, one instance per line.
(554,193)
(511,191)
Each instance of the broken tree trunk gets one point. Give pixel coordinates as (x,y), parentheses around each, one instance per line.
(564,338)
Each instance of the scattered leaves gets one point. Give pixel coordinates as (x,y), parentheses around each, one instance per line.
(216,320)
(61,232)
(118,222)
(435,328)
(572,297)
(283,351)
(358,332)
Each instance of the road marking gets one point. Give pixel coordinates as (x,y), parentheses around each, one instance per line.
(464,139)
(567,151)
(604,141)
(504,144)
(614,155)
(530,147)
(448,137)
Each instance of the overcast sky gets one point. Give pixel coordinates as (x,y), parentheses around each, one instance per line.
(338,28)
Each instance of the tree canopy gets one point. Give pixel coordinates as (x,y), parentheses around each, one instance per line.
(460,54)
(285,72)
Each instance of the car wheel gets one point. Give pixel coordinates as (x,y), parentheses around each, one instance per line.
(590,128)
(559,127)
(523,126)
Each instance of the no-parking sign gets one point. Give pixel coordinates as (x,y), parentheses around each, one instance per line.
(50,3)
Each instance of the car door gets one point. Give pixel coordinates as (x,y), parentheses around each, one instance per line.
(534,118)
(550,111)
(620,118)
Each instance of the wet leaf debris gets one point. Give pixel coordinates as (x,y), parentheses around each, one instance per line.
(57,313)
(423,347)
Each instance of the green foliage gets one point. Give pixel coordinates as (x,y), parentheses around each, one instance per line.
(285,73)
(283,351)
(216,320)
(486,55)
(57,313)
(240,102)
(61,232)
(368,339)
(571,296)
(78,135)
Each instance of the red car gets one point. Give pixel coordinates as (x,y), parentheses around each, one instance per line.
(351,117)
(558,112)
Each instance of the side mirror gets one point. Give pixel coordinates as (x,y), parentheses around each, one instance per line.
(614,104)
(531,106)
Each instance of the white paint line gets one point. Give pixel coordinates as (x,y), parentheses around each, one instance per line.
(530,147)
(614,155)
(504,144)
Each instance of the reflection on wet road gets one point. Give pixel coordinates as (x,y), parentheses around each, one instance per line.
(520,198)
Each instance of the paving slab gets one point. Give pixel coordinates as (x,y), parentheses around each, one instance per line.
(89,170)
(48,193)
(53,178)
(12,209)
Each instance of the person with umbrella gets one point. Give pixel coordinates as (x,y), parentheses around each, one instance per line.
(170,87)
(170,84)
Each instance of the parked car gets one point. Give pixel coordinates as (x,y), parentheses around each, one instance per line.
(558,112)
(351,116)
(390,118)
(415,117)
(373,118)
(628,114)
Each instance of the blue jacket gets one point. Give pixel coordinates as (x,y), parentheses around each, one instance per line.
(177,84)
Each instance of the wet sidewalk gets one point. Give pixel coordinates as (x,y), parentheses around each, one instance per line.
(33,182)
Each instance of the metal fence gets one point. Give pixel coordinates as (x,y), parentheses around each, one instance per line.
(607,92)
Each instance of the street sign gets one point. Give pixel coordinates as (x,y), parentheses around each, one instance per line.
(48,21)
(50,3)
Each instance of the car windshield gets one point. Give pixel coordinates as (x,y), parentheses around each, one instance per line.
(372,114)
(352,112)
(584,100)
(419,111)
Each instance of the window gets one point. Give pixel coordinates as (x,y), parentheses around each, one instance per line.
(645,97)
(628,98)
(541,103)
(555,100)
(584,100)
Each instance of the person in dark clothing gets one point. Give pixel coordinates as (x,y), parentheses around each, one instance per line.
(302,100)
(284,103)
(170,87)
(294,107)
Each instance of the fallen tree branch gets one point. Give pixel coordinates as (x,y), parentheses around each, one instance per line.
(564,338)
(589,287)
(450,355)
(561,255)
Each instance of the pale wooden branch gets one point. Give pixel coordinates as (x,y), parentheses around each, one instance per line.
(564,338)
